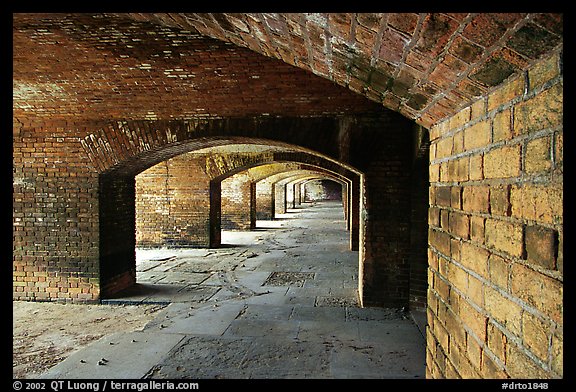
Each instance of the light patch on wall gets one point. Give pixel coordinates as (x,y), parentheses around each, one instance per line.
(35,91)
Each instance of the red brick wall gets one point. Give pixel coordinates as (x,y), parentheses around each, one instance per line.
(173,203)
(55,216)
(237,207)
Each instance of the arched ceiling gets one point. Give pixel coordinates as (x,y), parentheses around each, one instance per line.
(424,65)
(163,66)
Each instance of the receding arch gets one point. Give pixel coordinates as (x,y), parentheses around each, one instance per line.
(117,260)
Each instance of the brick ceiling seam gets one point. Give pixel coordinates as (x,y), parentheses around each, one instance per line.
(484,58)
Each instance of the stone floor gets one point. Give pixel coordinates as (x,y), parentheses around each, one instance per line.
(277,302)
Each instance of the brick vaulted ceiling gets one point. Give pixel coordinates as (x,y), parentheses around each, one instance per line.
(188,65)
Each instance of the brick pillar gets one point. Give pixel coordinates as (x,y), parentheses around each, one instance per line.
(297,197)
(117,233)
(55,230)
(253,213)
(236,202)
(354,220)
(279,196)
(215,239)
(264,200)
(173,204)
(386,219)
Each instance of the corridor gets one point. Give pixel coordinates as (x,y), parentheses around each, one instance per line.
(277,302)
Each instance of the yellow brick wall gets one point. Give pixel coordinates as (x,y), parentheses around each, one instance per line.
(495,297)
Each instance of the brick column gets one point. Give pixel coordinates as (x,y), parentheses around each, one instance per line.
(173,204)
(237,202)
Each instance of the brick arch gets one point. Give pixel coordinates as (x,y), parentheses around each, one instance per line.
(127,148)
(324,167)
(426,66)
(117,218)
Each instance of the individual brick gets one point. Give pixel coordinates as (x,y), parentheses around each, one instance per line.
(460,225)
(500,200)
(475,198)
(505,237)
(499,271)
(506,93)
(503,162)
(538,155)
(543,71)
(502,125)
(478,135)
(541,246)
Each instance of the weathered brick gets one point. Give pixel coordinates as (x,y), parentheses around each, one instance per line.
(444,147)
(476,167)
(456,199)
(475,291)
(541,246)
(442,288)
(458,169)
(496,341)
(536,335)
(538,202)
(477,229)
(538,155)
(458,278)
(434,172)
(490,369)
(457,333)
(443,196)
(458,143)
(478,135)
(559,148)
(500,200)
(498,269)
(473,352)
(475,258)
(478,109)
(502,125)
(519,365)
(543,71)
(445,219)
(460,119)
(455,248)
(475,320)
(460,225)
(503,310)
(540,291)
(505,236)
(558,352)
(475,198)
(503,162)
(540,112)
(506,93)
(434,216)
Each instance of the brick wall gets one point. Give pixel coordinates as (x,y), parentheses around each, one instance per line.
(173,203)
(495,306)
(318,190)
(55,216)
(238,209)
(385,242)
